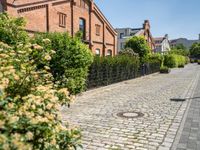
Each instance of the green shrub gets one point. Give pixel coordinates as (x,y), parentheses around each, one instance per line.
(155,58)
(30,102)
(192,60)
(29,98)
(195,50)
(196,60)
(170,61)
(181,66)
(199,61)
(164,69)
(173,60)
(70,64)
(11,30)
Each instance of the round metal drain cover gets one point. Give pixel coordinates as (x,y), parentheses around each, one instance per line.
(178,99)
(130,114)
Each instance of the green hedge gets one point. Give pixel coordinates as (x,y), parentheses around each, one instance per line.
(108,70)
(173,60)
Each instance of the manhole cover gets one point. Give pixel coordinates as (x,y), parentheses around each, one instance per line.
(178,99)
(130,114)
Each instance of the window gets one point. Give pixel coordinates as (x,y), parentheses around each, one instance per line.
(109,52)
(98,29)
(62,20)
(82,27)
(122,46)
(97,52)
(121,35)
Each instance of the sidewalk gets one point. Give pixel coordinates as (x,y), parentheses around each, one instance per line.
(190,136)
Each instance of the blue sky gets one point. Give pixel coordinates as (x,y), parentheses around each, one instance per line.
(178,18)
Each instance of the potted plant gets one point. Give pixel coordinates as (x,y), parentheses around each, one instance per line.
(164,69)
(181,66)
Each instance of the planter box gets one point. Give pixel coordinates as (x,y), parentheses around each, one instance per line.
(181,66)
(165,70)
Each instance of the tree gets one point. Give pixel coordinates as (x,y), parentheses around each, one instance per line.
(195,50)
(180,49)
(139,46)
(70,64)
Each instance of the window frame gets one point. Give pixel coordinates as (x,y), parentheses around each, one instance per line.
(121,35)
(82,28)
(109,54)
(97,49)
(98,29)
(62,19)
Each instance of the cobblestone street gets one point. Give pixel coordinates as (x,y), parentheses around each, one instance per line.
(95,111)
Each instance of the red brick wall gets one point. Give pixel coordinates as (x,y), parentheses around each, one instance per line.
(81,12)
(64,8)
(97,21)
(43,16)
(35,19)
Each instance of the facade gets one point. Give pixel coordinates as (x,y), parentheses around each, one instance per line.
(67,16)
(187,43)
(125,33)
(162,44)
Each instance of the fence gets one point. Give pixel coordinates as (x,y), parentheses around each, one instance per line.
(105,74)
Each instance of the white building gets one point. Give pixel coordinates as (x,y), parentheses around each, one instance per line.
(162,44)
(125,33)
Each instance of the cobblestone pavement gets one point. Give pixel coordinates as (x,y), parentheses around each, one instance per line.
(95,112)
(190,135)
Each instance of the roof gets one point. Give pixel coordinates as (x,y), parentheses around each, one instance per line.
(159,39)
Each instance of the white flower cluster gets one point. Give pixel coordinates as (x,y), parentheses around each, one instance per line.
(30,102)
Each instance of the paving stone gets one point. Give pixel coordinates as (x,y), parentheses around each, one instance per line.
(189,138)
(95,112)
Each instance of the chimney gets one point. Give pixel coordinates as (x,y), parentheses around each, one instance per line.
(146,24)
(166,36)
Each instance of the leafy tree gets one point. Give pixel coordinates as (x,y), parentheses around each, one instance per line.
(139,46)
(180,49)
(195,50)
(70,64)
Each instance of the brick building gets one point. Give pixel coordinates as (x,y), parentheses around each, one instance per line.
(126,33)
(66,16)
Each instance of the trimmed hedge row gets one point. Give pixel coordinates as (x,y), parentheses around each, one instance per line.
(109,70)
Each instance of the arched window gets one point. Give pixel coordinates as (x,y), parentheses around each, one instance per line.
(82,27)
(97,52)
(109,52)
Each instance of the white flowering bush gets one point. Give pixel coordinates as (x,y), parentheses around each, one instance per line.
(30,101)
